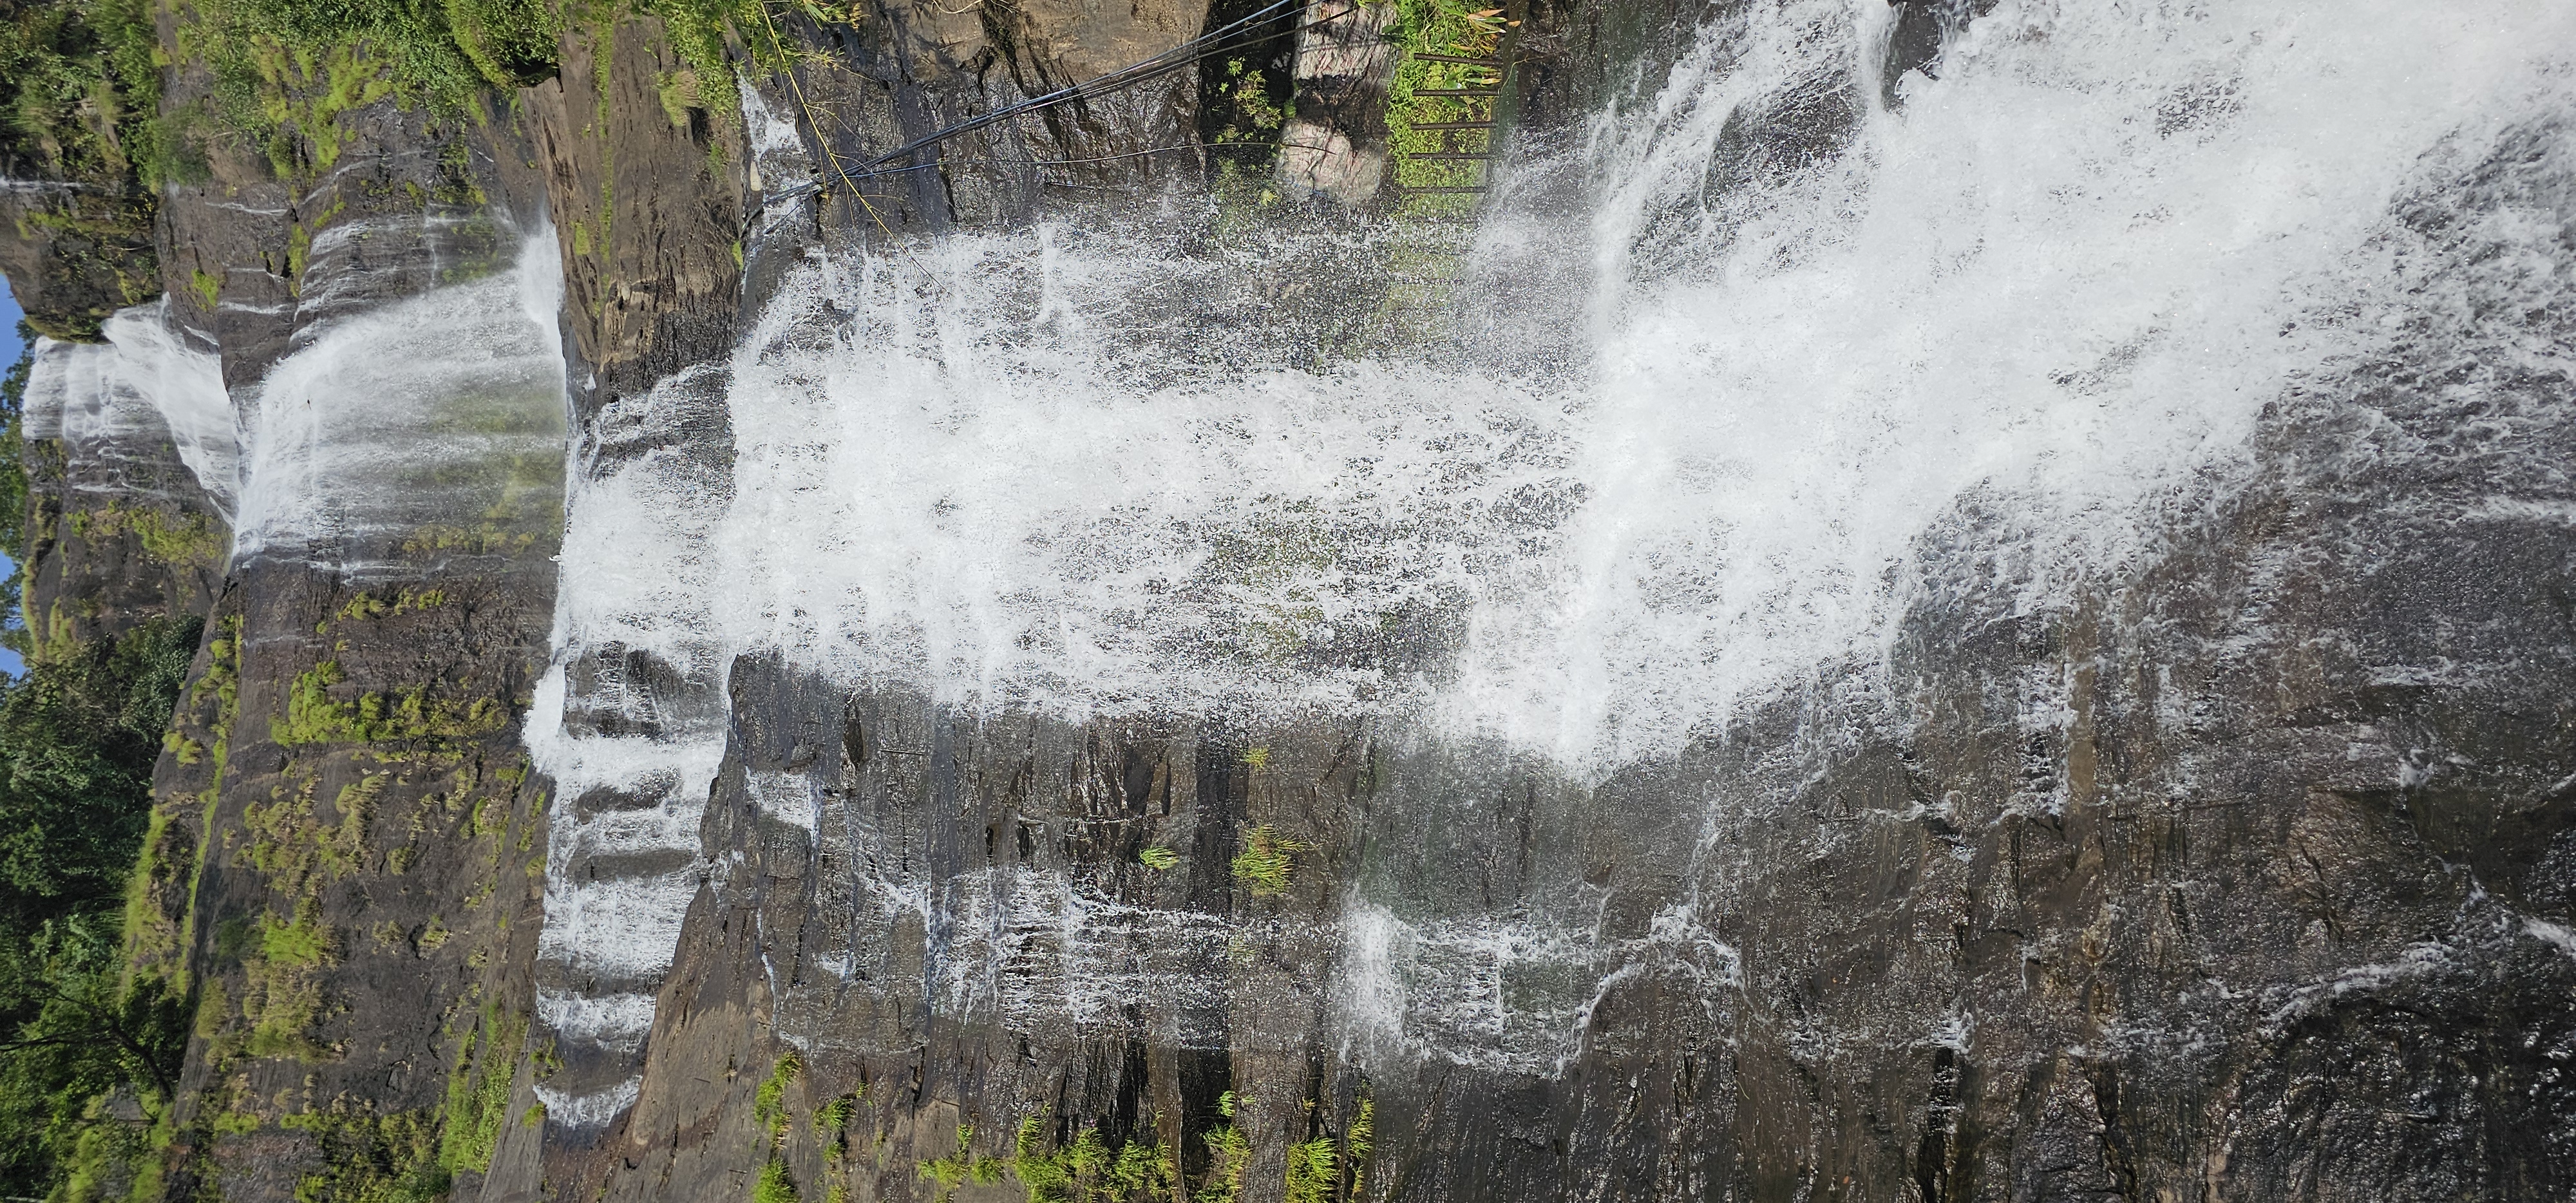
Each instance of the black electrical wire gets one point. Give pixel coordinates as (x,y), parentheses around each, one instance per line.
(1126,77)
(1195,50)
(1133,154)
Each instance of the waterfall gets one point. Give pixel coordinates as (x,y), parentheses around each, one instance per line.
(2061,281)
(116,404)
(2059,284)
(1790,348)
(426,428)
(630,722)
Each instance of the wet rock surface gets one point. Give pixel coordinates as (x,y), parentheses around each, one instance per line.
(2242,876)
(2249,873)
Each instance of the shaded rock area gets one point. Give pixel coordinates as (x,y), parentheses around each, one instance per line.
(905,71)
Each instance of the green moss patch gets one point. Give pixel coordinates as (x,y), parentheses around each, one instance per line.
(1457,29)
(313,716)
(478,1091)
(1266,861)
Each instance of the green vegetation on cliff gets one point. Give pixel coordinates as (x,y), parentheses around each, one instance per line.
(89,1046)
(13,489)
(285,70)
(313,716)
(78,735)
(82,82)
(953,1170)
(1456,28)
(87,1056)
(1229,1152)
(478,1091)
(1266,861)
(1089,1169)
(189,540)
(80,88)
(378,1158)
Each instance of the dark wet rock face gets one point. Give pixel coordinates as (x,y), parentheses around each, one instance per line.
(83,251)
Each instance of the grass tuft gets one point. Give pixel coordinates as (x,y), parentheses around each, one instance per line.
(1266,861)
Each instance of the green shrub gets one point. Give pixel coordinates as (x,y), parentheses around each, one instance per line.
(13,490)
(774,1185)
(439,52)
(80,89)
(511,42)
(1360,1140)
(1314,1171)
(1228,1154)
(1266,861)
(380,1159)
(963,1166)
(1089,1170)
(833,1118)
(1453,27)
(79,1034)
(78,736)
(769,1102)
(478,1091)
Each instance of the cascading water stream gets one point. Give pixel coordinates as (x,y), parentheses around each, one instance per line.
(428,427)
(630,723)
(433,424)
(2050,295)
(114,404)
(2065,277)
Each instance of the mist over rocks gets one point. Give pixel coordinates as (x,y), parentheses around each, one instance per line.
(1933,601)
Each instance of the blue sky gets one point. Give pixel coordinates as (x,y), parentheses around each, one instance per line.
(9,315)
(9,348)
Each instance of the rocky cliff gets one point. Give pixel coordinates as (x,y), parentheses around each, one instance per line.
(488,864)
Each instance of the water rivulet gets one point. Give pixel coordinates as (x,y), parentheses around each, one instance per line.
(1928,601)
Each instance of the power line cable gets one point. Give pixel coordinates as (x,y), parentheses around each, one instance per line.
(1196,50)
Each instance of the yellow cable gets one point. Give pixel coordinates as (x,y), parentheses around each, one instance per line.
(788,69)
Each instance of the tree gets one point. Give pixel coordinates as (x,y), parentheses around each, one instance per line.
(83,1053)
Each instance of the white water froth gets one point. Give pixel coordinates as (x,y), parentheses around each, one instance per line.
(435,421)
(618,1020)
(144,384)
(1503,993)
(2066,278)
(632,757)
(593,1110)
(2063,280)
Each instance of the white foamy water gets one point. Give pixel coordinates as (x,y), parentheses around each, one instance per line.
(120,399)
(2064,278)
(976,493)
(433,424)
(1514,994)
(1027,471)
(630,723)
